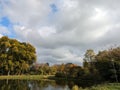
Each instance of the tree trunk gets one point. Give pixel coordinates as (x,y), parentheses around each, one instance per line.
(8,73)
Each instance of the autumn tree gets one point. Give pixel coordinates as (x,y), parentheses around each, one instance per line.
(108,64)
(89,58)
(15,57)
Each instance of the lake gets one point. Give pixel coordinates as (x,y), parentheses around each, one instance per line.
(39,84)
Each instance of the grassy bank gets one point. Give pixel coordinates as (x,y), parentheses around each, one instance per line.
(33,77)
(109,86)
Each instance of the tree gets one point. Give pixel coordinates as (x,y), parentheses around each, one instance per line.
(108,64)
(89,58)
(89,55)
(15,57)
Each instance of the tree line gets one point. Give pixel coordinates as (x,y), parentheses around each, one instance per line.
(18,58)
(104,66)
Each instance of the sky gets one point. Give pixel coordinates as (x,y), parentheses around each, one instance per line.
(62,30)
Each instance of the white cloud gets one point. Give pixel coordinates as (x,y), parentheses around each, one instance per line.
(1,35)
(100,14)
(77,25)
(58,55)
(46,31)
(27,12)
(4,31)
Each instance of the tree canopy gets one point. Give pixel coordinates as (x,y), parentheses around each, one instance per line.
(15,57)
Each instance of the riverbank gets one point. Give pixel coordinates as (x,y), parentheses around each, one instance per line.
(107,86)
(33,77)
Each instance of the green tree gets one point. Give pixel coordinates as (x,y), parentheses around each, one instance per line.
(15,57)
(108,64)
(89,58)
(89,55)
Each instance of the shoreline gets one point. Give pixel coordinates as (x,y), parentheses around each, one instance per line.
(35,77)
(26,77)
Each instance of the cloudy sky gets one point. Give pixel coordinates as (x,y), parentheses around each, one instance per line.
(62,30)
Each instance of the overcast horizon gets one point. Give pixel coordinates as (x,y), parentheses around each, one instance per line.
(62,30)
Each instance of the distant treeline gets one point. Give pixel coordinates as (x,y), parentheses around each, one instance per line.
(104,66)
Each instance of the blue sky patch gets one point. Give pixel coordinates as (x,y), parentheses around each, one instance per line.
(5,22)
(54,8)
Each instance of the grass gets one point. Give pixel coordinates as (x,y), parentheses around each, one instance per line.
(109,86)
(27,77)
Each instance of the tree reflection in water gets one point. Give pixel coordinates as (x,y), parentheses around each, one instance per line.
(39,85)
(29,85)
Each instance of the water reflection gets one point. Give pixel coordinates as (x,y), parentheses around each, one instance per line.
(39,85)
(30,85)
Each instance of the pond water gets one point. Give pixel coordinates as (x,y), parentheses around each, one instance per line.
(39,85)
